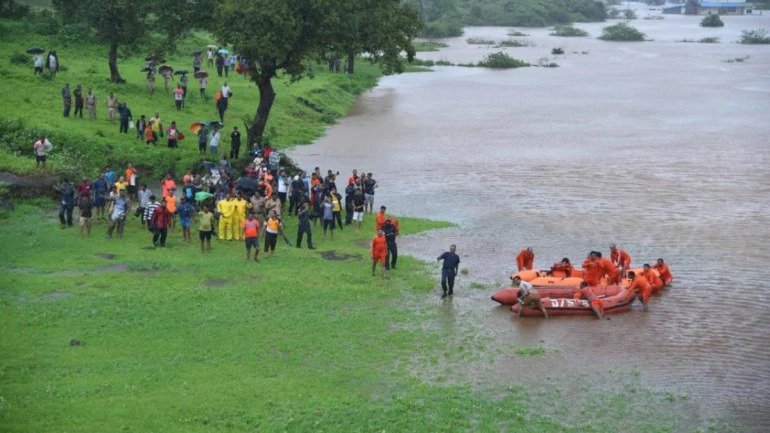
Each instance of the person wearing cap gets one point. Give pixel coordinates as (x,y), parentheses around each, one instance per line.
(250,232)
(449,266)
(379,248)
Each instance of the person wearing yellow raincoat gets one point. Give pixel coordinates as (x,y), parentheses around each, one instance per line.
(239,215)
(226,209)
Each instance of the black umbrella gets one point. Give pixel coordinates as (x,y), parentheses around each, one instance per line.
(196,52)
(201,74)
(214,123)
(165,68)
(35,50)
(180,72)
(246,184)
(148,69)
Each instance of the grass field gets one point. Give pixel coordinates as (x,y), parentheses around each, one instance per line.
(301,112)
(174,340)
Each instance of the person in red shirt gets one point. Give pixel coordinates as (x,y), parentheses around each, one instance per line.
(353,177)
(652,277)
(641,287)
(562,269)
(525,259)
(250,229)
(379,252)
(160,222)
(610,270)
(592,270)
(664,271)
(620,258)
(380,220)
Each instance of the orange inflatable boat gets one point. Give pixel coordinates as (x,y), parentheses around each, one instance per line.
(616,299)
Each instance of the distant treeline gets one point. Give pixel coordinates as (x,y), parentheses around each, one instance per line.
(447,17)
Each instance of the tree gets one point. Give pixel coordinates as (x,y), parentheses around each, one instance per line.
(115,22)
(381,28)
(284,36)
(128,22)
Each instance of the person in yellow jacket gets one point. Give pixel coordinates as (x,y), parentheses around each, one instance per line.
(239,215)
(226,209)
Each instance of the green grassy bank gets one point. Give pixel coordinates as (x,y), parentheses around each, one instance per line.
(174,340)
(34,105)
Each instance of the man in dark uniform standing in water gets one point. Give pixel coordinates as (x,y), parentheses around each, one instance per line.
(449,270)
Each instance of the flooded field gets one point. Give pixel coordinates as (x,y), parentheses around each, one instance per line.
(662,147)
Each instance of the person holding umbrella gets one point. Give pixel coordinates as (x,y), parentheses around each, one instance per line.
(150,80)
(202,136)
(220,62)
(37,59)
(183,83)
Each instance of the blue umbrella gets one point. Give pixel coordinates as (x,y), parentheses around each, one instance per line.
(223,51)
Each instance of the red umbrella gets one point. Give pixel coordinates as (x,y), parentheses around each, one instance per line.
(195,127)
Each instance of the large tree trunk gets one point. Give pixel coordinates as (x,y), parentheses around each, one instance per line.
(351,61)
(113,61)
(266,99)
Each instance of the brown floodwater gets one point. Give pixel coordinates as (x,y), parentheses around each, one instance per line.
(662,147)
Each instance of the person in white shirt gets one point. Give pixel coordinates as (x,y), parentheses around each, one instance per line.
(38,62)
(528,297)
(214,142)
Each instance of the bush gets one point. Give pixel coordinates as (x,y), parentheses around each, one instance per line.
(516,33)
(754,37)
(20,59)
(501,60)
(613,13)
(480,41)
(568,31)
(629,14)
(514,43)
(557,50)
(13,10)
(621,32)
(709,40)
(712,21)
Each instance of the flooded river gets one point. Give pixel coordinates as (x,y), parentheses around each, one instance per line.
(662,147)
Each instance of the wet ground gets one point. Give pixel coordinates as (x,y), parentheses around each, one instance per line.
(661,146)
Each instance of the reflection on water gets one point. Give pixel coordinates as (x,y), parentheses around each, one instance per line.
(661,147)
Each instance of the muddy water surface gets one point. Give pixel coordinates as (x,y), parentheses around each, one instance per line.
(662,147)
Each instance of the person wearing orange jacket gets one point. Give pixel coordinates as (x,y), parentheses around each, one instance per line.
(562,269)
(525,259)
(664,271)
(620,258)
(379,252)
(589,294)
(610,270)
(380,219)
(592,269)
(652,277)
(641,287)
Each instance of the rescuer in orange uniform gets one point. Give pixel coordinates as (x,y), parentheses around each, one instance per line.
(562,269)
(592,269)
(664,271)
(641,287)
(589,294)
(652,277)
(525,259)
(379,252)
(620,258)
(380,220)
(610,270)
